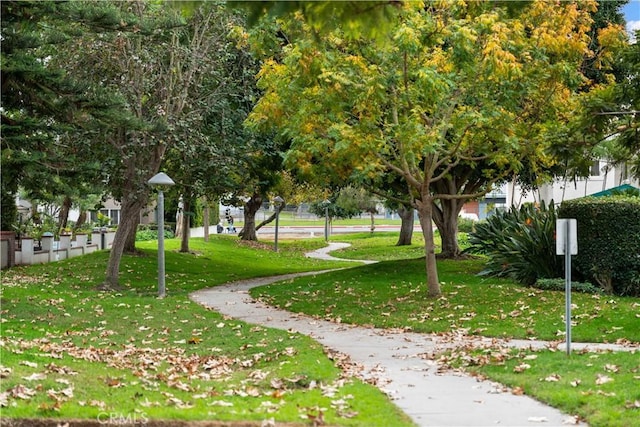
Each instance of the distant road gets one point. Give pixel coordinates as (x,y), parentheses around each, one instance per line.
(310,231)
(318,230)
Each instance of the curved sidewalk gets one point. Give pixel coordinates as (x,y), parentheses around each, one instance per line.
(399,363)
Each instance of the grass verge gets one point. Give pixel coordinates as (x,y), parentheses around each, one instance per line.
(392,294)
(68,351)
(603,388)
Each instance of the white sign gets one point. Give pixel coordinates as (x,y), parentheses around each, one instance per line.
(561,236)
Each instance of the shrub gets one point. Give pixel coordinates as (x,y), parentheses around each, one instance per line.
(559,285)
(466,225)
(519,243)
(608,241)
(146,232)
(463,240)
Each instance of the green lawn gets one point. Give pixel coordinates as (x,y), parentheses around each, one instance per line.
(69,351)
(291,219)
(601,388)
(392,294)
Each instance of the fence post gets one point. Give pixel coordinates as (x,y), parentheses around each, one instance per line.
(8,258)
(27,250)
(110,235)
(81,242)
(65,241)
(47,244)
(95,238)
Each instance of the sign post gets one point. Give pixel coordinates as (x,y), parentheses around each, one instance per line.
(567,245)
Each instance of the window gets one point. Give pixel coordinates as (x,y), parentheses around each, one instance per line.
(595,168)
(115,216)
(112,214)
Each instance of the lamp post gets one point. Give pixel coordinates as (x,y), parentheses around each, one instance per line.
(278,202)
(159,181)
(326,204)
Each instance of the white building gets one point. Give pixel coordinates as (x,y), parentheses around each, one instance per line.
(603,177)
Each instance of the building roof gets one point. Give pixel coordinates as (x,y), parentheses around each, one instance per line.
(615,190)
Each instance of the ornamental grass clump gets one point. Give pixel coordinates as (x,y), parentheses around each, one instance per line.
(519,244)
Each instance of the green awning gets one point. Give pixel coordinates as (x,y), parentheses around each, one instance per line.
(615,190)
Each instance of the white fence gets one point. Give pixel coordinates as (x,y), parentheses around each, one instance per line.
(51,250)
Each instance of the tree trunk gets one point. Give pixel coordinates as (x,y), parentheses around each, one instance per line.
(205,219)
(373,222)
(129,218)
(406,227)
(252,206)
(186,222)
(82,218)
(130,242)
(63,218)
(180,217)
(425,213)
(445,215)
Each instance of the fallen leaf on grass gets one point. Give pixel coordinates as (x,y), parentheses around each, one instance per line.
(174,401)
(277,394)
(56,394)
(574,420)
(93,403)
(147,403)
(521,367)
(52,367)
(296,379)
(114,382)
(258,375)
(632,405)
(518,391)
(35,377)
(253,392)
(348,414)
(552,378)
(4,371)
(179,385)
(21,392)
(55,406)
(316,419)
(611,368)
(603,379)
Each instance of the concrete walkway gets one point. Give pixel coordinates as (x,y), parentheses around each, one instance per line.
(400,363)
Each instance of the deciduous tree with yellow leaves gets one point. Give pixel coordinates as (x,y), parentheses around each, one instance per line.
(458,90)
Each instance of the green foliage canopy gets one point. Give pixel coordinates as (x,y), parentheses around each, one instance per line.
(477,85)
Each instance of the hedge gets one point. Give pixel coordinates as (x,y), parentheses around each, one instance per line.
(608,241)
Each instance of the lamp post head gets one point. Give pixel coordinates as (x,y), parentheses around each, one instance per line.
(160,179)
